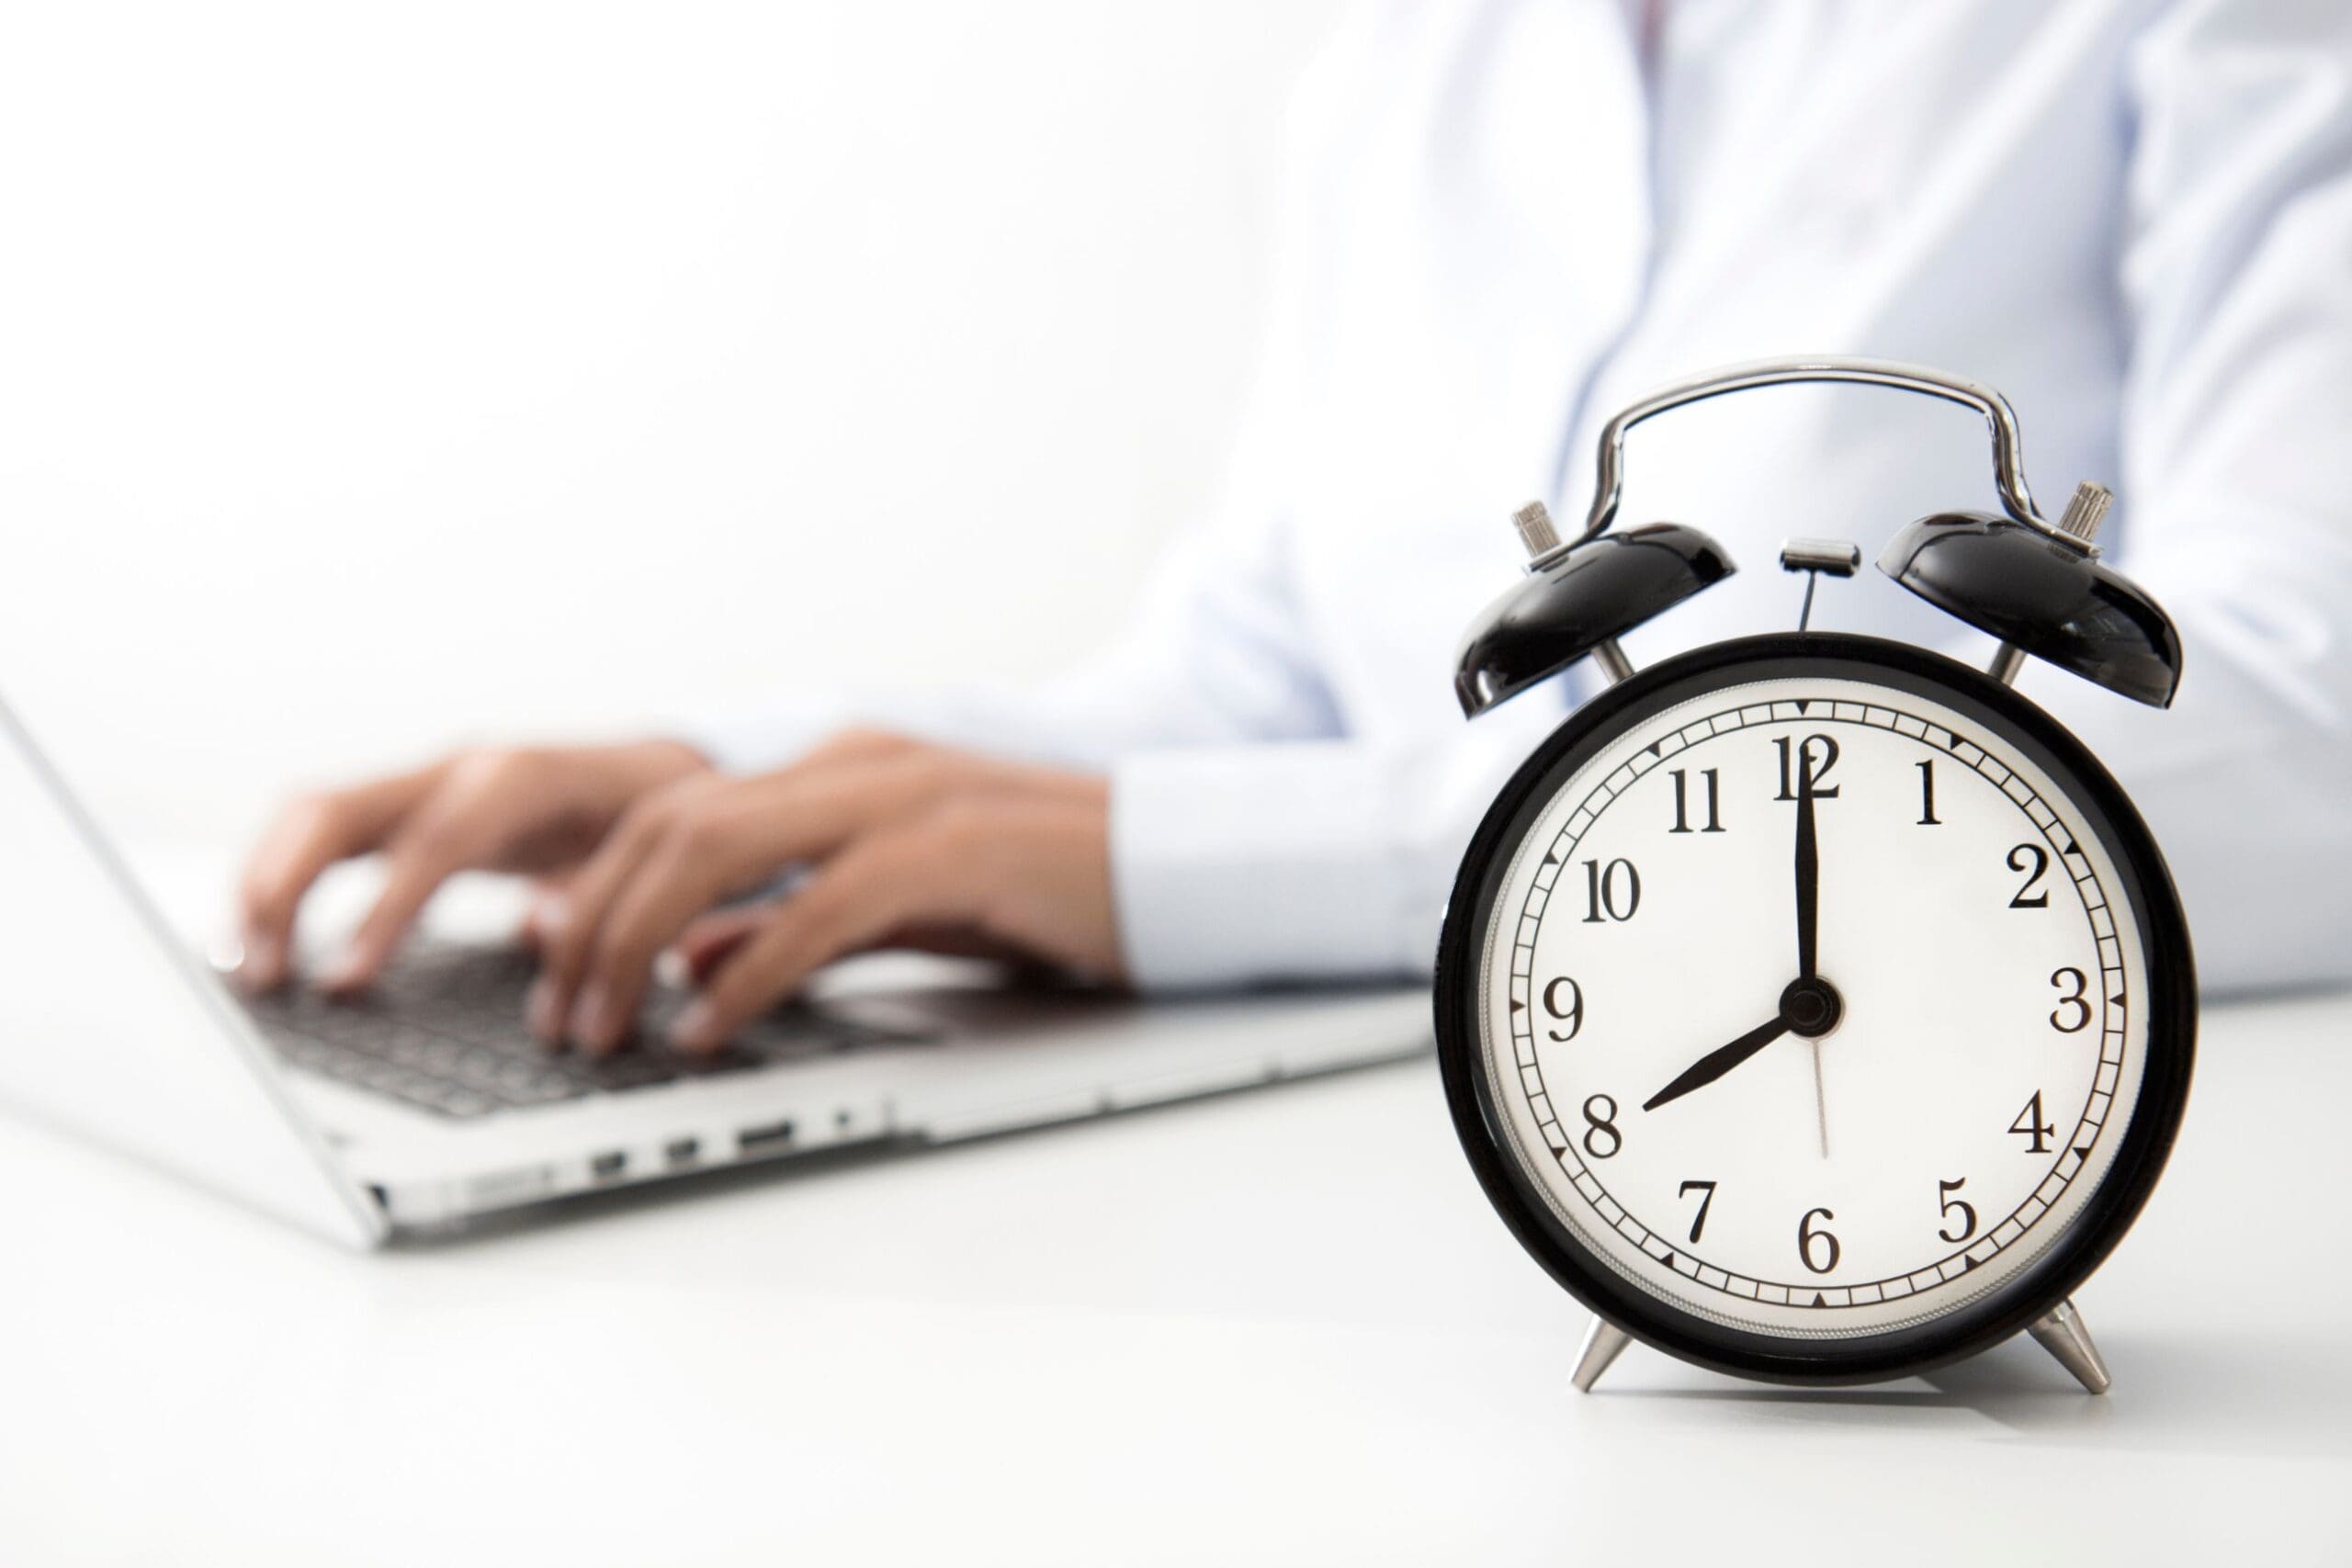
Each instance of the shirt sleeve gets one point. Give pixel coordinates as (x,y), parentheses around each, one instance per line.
(1326,859)
(2236,508)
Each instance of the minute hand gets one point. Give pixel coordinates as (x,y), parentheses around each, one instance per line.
(1718,1062)
(1808,877)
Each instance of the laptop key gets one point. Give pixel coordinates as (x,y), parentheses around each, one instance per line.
(443,1030)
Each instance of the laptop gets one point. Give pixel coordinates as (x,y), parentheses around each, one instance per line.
(426,1106)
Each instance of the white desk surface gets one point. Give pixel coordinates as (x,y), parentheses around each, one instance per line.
(1282,1327)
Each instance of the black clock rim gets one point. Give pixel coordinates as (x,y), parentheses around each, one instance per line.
(2171,1006)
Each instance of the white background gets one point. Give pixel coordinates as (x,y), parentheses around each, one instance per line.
(372,378)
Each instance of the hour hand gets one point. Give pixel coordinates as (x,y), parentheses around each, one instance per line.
(1718,1062)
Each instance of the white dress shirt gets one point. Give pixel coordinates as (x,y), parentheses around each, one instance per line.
(1502,222)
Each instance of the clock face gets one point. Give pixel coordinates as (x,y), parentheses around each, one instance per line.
(1812,1006)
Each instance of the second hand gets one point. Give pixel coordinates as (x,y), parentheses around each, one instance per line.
(1820,1100)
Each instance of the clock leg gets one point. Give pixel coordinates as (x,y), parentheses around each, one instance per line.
(2061,1332)
(1602,1342)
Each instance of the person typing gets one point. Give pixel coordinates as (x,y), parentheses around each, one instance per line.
(1504,220)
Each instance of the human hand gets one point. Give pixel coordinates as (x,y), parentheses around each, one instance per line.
(909,845)
(527,809)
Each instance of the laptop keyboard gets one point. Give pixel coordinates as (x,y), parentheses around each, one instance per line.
(441,1029)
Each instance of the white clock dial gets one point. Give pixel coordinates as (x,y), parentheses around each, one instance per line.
(1975,967)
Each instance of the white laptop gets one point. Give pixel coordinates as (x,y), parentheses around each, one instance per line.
(427,1105)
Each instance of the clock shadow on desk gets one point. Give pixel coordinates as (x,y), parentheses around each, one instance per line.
(2010,1384)
(2175,1392)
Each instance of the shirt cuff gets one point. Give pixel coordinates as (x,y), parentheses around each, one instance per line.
(1234,864)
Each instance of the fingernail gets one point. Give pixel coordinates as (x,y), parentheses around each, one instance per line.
(548,917)
(592,1020)
(696,1028)
(543,1010)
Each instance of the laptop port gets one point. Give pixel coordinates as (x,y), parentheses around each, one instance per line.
(501,1188)
(774,1136)
(606,1166)
(682,1151)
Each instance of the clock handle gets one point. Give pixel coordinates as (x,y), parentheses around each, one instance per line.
(2009,447)
(1997,573)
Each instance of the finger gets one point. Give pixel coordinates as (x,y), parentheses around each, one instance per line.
(862,745)
(568,936)
(955,942)
(305,839)
(912,875)
(545,912)
(681,877)
(418,860)
(741,831)
(706,943)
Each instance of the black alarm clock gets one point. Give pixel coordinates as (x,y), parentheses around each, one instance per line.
(1814,1008)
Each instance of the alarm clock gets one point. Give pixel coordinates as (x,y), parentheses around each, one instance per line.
(1814,1008)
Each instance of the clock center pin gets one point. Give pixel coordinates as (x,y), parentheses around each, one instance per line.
(1812,1008)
